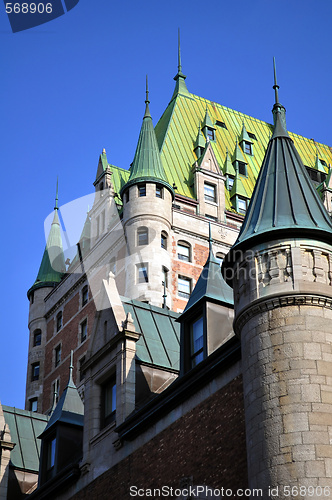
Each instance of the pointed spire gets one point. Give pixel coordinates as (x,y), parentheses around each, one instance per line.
(284,202)
(244,135)
(57,194)
(278,109)
(52,267)
(102,165)
(147,166)
(200,141)
(210,285)
(237,155)
(275,86)
(147,102)
(318,163)
(70,409)
(228,168)
(180,87)
(207,122)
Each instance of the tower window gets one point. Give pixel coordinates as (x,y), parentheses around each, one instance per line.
(141,190)
(37,337)
(57,352)
(196,341)
(33,404)
(184,251)
(209,192)
(142,236)
(247,148)
(108,402)
(84,330)
(242,168)
(142,271)
(159,191)
(184,287)
(85,295)
(163,240)
(59,321)
(35,371)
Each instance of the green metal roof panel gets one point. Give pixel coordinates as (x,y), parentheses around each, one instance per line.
(25,427)
(159,343)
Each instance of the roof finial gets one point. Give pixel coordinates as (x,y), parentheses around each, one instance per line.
(56,194)
(179,53)
(147,110)
(275,86)
(71,367)
(210,239)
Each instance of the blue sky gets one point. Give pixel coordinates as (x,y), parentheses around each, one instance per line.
(76,85)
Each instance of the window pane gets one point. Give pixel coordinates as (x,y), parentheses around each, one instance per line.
(247,148)
(84,330)
(209,192)
(59,321)
(184,287)
(33,404)
(142,190)
(35,372)
(37,338)
(230,183)
(242,168)
(85,295)
(242,205)
(183,252)
(163,241)
(210,133)
(159,191)
(197,342)
(51,454)
(142,236)
(142,275)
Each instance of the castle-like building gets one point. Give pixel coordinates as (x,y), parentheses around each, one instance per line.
(187,343)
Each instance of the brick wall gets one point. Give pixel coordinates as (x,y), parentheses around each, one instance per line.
(207,444)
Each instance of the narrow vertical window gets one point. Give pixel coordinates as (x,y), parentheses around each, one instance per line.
(81,371)
(142,273)
(57,355)
(35,371)
(164,240)
(142,236)
(37,337)
(141,190)
(196,342)
(51,446)
(184,287)
(33,404)
(85,295)
(84,330)
(184,251)
(108,402)
(159,191)
(209,192)
(59,321)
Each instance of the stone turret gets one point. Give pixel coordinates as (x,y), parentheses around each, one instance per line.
(147,211)
(281,269)
(49,275)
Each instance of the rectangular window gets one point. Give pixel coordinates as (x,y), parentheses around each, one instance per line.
(165,276)
(242,168)
(59,321)
(242,206)
(35,371)
(57,352)
(142,236)
(209,192)
(85,295)
(142,274)
(184,287)
(108,402)
(247,148)
(221,124)
(141,190)
(210,133)
(196,342)
(37,338)
(159,191)
(211,217)
(84,330)
(230,182)
(51,446)
(183,252)
(163,240)
(33,404)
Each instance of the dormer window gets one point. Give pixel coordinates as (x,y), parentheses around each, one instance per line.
(209,192)
(229,182)
(247,147)
(141,190)
(108,402)
(197,341)
(50,463)
(241,205)
(242,168)
(210,133)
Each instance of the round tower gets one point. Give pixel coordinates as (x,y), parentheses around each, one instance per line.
(281,271)
(147,215)
(49,275)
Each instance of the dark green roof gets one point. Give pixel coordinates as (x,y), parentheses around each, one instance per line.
(284,201)
(228,168)
(200,140)
(159,343)
(147,166)
(102,165)
(70,409)
(244,135)
(25,427)
(210,285)
(52,266)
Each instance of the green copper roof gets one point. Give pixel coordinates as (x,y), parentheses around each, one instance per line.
(284,201)
(210,285)
(238,187)
(24,428)
(207,121)
(147,165)
(244,135)
(318,164)
(70,409)
(52,266)
(228,168)
(180,86)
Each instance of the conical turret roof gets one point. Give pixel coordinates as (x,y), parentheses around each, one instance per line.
(284,202)
(210,285)
(52,266)
(147,166)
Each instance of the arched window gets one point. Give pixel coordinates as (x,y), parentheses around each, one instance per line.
(142,236)
(164,240)
(184,251)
